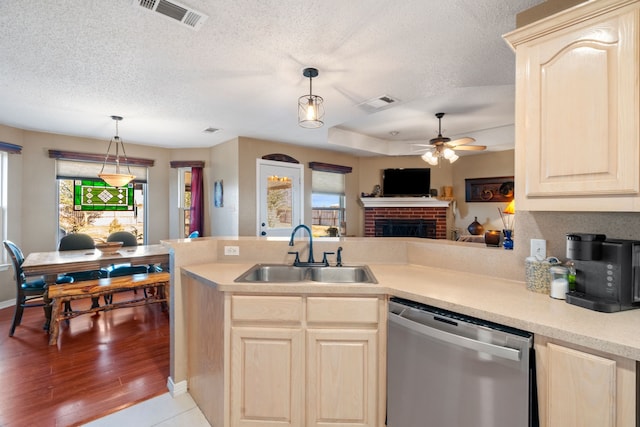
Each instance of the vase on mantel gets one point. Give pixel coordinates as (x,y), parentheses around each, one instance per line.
(508,239)
(475,227)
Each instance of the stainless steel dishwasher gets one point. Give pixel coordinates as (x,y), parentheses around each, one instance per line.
(449,370)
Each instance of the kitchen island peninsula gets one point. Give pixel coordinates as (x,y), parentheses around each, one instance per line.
(229,338)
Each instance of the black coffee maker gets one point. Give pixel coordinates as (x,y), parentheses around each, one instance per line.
(607,272)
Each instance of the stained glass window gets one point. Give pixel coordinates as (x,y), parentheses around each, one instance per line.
(96,195)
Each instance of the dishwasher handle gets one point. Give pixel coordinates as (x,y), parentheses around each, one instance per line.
(492,349)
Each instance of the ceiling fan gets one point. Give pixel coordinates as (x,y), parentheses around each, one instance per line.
(443,147)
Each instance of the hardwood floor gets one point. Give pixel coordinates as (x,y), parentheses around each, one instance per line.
(102,363)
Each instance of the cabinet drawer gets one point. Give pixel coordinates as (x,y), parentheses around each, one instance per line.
(266,308)
(342,310)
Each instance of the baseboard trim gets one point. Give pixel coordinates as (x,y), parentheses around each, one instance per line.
(176,389)
(8,303)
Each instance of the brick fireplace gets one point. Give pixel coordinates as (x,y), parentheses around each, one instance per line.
(405,216)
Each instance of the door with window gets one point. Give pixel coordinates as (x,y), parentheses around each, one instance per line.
(279,191)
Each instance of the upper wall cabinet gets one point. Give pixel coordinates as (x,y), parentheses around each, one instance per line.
(577,109)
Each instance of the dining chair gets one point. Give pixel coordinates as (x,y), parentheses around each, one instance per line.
(28,293)
(78,241)
(116,270)
(127,239)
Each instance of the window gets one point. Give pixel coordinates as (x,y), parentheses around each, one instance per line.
(3,202)
(184,204)
(99,223)
(87,205)
(328,203)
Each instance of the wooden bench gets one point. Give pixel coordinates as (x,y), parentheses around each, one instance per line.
(62,293)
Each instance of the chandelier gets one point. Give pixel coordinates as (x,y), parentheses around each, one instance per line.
(433,157)
(310,108)
(116,179)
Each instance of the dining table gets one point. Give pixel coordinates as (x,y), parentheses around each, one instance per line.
(51,264)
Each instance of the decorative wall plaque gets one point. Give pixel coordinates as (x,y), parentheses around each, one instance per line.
(499,189)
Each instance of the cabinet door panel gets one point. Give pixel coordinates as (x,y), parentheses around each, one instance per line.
(266,376)
(581,389)
(578,109)
(342,377)
(582,126)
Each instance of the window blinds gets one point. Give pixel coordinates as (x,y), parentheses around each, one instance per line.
(327,182)
(69,169)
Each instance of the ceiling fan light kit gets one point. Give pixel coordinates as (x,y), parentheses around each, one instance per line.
(443,147)
(310,107)
(116,179)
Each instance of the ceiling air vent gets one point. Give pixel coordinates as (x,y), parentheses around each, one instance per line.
(175,11)
(378,103)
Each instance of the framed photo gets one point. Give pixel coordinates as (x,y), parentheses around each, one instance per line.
(499,189)
(217,194)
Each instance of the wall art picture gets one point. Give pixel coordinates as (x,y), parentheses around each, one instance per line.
(217,194)
(499,189)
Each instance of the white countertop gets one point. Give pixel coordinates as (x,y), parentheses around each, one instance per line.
(498,300)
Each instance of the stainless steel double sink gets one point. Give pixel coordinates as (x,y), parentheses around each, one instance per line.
(283,273)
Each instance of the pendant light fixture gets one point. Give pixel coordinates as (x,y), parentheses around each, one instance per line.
(116,179)
(310,108)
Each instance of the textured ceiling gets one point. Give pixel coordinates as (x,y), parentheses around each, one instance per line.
(66,66)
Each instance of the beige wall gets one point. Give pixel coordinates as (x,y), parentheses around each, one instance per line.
(371,171)
(224,163)
(32,214)
(32,193)
(252,149)
(371,174)
(487,165)
(189,154)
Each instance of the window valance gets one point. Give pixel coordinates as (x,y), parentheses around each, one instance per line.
(186,163)
(327,167)
(10,148)
(96,158)
(72,165)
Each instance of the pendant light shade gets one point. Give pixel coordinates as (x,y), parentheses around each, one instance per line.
(116,179)
(310,107)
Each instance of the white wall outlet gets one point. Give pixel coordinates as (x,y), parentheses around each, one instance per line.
(232,250)
(539,248)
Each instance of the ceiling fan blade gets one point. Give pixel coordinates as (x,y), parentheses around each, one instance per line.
(420,149)
(470,147)
(461,141)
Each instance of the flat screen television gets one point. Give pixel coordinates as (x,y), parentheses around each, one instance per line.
(406,182)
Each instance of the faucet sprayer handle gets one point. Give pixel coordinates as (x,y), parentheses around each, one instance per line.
(297,260)
(339,257)
(324,257)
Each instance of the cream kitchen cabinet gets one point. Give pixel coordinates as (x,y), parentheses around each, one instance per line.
(584,388)
(267,366)
(312,361)
(578,109)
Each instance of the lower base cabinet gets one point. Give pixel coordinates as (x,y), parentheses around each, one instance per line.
(306,361)
(578,387)
(342,367)
(266,376)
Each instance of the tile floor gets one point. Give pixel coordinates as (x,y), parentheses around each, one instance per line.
(161,411)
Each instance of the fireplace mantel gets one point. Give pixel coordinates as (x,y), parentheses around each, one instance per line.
(403,202)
